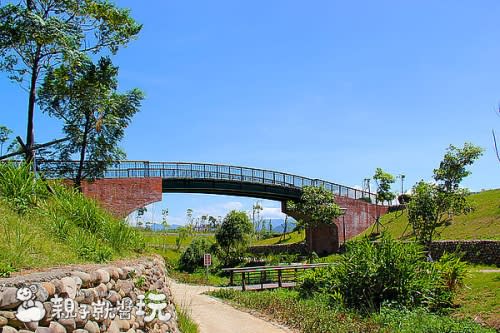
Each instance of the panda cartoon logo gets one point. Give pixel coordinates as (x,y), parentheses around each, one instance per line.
(30,309)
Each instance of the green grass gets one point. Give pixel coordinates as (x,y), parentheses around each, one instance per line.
(480,298)
(315,315)
(290,238)
(186,324)
(199,277)
(483,223)
(44,224)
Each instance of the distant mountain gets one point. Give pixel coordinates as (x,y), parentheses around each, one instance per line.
(159,227)
(279,224)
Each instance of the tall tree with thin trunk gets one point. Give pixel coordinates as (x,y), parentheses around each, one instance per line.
(95,115)
(37,35)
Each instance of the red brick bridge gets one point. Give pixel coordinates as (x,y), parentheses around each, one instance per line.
(130,185)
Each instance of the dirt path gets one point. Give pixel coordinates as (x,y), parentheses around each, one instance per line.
(213,316)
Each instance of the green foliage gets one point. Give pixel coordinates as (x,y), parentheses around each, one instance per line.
(317,205)
(421,321)
(5,270)
(369,275)
(233,236)
(5,132)
(452,169)
(186,324)
(302,315)
(57,226)
(482,223)
(432,205)
(182,234)
(192,257)
(95,115)
(37,35)
(384,181)
(140,281)
(20,188)
(453,271)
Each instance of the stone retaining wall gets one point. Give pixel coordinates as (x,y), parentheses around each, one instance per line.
(474,251)
(120,289)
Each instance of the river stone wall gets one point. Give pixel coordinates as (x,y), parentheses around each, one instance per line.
(474,251)
(89,288)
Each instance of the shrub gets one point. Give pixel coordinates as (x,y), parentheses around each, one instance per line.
(369,275)
(404,198)
(192,257)
(452,270)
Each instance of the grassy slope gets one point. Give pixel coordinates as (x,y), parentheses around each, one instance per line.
(480,298)
(483,223)
(25,242)
(291,237)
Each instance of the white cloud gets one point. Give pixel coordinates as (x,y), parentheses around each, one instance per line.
(272,213)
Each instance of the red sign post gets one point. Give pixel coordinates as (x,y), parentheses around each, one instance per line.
(207,261)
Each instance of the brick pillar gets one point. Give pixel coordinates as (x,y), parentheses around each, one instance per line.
(121,196)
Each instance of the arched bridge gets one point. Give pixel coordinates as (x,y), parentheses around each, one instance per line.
(129,185)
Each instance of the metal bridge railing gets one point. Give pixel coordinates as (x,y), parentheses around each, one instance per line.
(180,170)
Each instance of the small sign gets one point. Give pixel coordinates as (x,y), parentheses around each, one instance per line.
(207,259)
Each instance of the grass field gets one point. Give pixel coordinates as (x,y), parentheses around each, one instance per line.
(480,297)
(483,223)
(291,237)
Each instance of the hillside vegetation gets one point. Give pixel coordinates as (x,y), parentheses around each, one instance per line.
(44,224)
(482,223)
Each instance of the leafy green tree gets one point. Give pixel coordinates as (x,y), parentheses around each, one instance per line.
(182,234)
(434,204)
(192,257)
(233,236)
(317,206)
(37,35)
(452,169)
(95,115)
(384,181)
(5,132)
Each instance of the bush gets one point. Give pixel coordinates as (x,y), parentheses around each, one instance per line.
(369,275)
(192,257)
(404,198)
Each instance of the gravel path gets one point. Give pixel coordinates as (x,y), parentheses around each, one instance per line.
(214,316)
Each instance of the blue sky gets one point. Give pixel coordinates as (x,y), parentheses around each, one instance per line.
(323,89)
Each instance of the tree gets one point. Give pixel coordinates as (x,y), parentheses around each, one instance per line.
(37,35)
(233,235)
(182,234)
(257,221)
(384,181)
(317,206)
(164,221)
(95,115)
(434,204)
(452,169)
(5,132)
